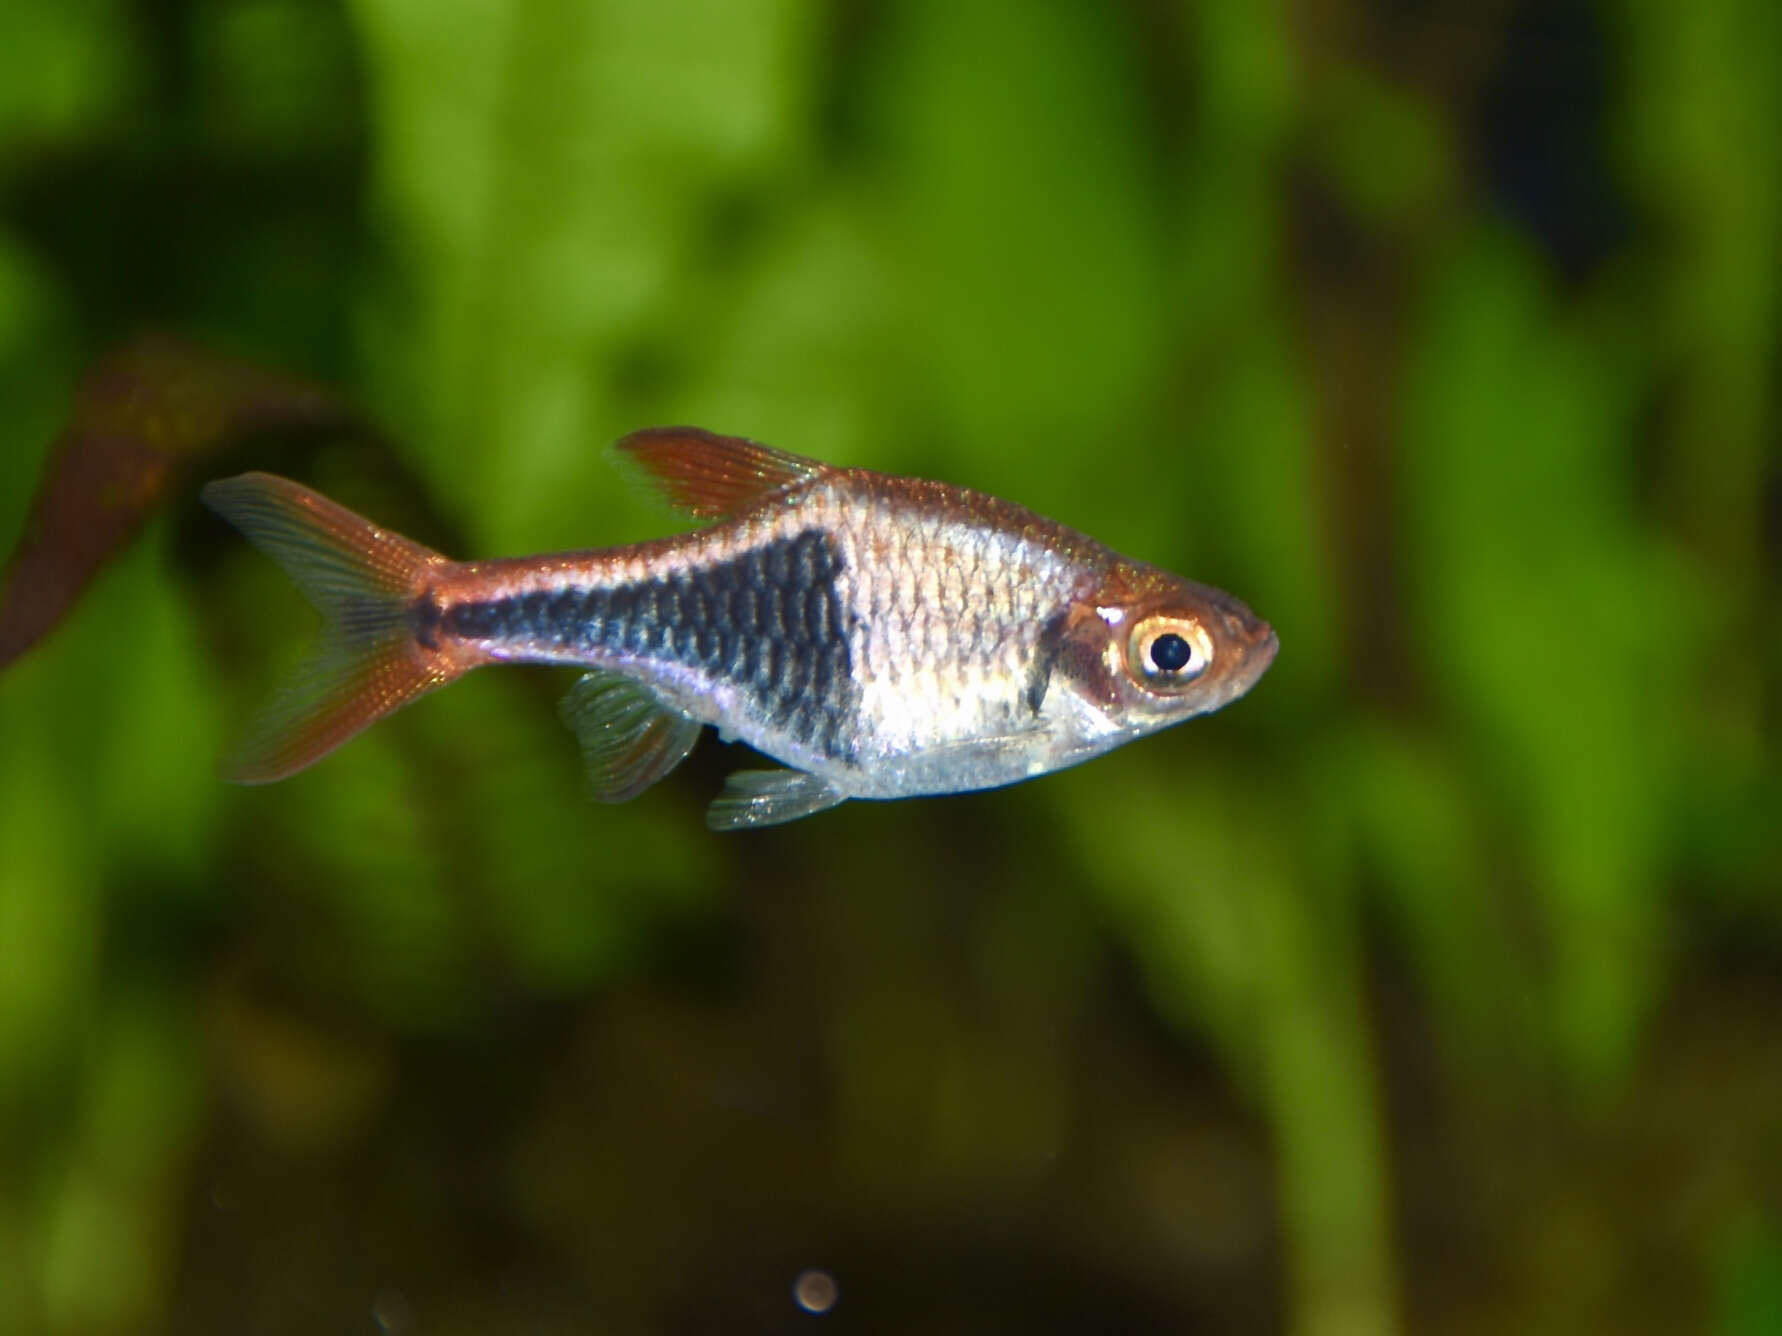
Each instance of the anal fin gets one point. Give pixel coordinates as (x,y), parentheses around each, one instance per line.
(754,798)
(630,738)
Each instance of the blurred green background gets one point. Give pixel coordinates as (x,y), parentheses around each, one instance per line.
(1437,986)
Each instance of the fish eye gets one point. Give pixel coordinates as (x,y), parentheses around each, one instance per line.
(1168,652)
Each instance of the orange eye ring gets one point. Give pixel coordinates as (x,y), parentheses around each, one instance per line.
(1165,653)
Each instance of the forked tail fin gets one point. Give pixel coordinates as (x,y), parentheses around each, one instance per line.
(364,580)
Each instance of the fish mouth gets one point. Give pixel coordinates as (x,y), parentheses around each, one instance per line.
(1260,645)
(1267,645)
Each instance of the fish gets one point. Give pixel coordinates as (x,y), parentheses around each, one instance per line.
(880,636)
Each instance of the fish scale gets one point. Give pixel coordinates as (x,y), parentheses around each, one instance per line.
(884,637)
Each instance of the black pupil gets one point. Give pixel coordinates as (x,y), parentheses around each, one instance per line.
(1170,653)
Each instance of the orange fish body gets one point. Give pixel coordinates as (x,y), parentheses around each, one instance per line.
(883,637)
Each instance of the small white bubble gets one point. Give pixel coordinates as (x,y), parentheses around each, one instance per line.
(815,1291)
(391,1311)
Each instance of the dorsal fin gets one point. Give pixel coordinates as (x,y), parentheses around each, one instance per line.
(711,476)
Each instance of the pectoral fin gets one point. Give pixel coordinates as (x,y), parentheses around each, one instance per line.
(770,798)
(629,738)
